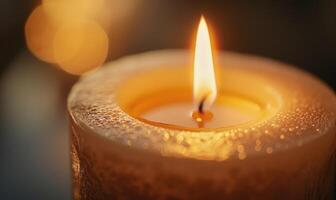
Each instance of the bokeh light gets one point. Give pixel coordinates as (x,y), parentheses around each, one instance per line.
(40,31)
(73,9)
(80,46)
(68,33)
(74,34)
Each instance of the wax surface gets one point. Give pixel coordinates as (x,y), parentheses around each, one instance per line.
(227,111)
(180,114)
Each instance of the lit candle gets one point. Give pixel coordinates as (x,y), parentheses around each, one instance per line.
(176,109)
(265,131)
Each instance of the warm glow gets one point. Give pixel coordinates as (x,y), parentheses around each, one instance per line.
(204,76)
(77,44)
(65,10)
(40,31)
(80,47)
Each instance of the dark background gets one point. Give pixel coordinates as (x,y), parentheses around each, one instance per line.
(34,152)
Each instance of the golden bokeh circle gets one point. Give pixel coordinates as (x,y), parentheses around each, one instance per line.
(39,32)
(73,9)
(80,46)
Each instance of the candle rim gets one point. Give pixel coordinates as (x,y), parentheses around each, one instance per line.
(318,130)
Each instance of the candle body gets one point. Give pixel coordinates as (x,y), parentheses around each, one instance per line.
(119,172)
(288,154)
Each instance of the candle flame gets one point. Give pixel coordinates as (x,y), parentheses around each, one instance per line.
(205,90)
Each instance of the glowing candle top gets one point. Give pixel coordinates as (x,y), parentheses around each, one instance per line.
(287,138)
(283,107)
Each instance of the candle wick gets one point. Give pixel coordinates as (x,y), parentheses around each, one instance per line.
(201,116)
(201,106)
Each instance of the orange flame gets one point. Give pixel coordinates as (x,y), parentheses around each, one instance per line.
(205,90)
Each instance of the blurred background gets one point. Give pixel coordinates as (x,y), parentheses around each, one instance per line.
(46,44)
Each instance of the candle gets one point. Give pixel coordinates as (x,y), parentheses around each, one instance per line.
(269,134)
(176,109)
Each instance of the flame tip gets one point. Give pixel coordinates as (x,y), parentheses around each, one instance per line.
(202,20)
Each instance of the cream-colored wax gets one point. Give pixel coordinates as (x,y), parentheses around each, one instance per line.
(226,111)
(287,152)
